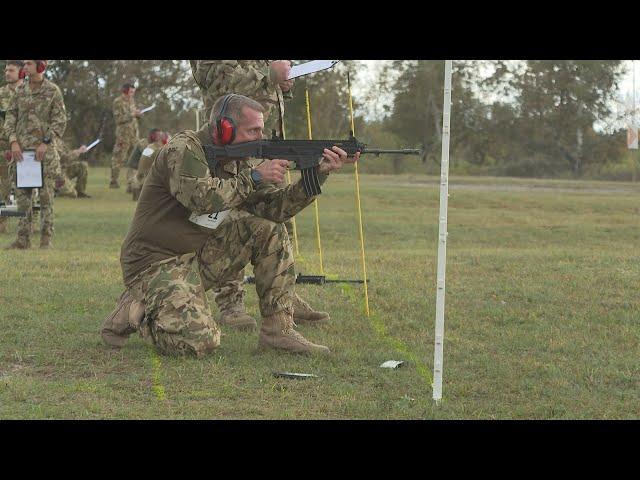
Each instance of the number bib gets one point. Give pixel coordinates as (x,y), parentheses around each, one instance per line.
(211,221)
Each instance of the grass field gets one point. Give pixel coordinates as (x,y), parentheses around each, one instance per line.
(541,312)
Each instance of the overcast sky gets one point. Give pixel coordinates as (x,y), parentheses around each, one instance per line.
(372,67)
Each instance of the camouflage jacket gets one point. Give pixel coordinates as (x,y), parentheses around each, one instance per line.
(180,185)
(251,78)
(33,115)
(124,115)
(67,155)
(6,94)
(198,190)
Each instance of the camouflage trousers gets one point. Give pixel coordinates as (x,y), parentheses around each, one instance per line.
(5,181)
(5,189)
(230,290)
(178,319)
(25,198)
(235,244)
(78,171)
(121,151)
(177,315)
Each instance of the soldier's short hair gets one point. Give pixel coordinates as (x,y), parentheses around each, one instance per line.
(234,108)
(17,63)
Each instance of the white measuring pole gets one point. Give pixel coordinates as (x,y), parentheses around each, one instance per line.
(197,119)
(442,235)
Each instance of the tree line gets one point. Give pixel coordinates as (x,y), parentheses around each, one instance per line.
(540,118)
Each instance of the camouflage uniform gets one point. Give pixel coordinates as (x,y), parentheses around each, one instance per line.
(6,94)
(126,135)
(169,262)
(33,115)
(71,168)
(253,79)
(148,155)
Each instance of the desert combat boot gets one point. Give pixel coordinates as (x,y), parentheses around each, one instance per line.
(236,316)
(277,332)
(123,321)
(302,312)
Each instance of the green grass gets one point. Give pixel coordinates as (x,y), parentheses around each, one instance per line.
(541,312)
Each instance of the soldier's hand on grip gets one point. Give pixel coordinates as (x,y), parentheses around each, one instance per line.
(334,159)
(272,171)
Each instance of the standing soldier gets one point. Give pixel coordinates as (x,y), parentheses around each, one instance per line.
(73,168)
(14,80)
(157,139)
(265,82)
(126,117)
(36,120)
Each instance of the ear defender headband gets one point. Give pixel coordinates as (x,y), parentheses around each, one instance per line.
(225,129)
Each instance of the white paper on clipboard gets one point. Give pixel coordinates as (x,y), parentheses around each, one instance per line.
(29,171)
(93,144)
(145,110)
(310,67)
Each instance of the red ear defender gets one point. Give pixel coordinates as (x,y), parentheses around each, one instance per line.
(41,66)
(22,74)
(226,131)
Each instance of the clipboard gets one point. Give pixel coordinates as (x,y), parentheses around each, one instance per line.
(29,171)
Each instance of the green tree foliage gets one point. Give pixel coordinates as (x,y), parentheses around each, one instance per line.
(528,118)
(90,86)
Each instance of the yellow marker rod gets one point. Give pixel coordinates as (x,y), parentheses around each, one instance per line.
(364,264)
(293,219)
(315,202)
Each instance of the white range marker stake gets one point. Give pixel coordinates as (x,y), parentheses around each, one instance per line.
(442,235)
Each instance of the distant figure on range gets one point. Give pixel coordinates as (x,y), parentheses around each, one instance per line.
(125,115)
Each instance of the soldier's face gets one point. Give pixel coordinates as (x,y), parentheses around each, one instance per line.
(130,92)
(11,73)
(251,126)
(30,67)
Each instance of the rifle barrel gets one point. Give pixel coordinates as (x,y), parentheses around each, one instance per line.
(402,151)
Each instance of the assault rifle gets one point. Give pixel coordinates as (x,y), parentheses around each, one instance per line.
(311,279)
(307,154)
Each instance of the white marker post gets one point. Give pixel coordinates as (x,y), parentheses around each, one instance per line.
(442,235)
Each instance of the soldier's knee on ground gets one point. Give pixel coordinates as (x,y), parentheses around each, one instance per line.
(178,318)
(197,343)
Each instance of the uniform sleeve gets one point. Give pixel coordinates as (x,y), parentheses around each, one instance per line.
(10,120)
(66,154)
(242,77)
(58,116)
(279,204)
(191,183)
